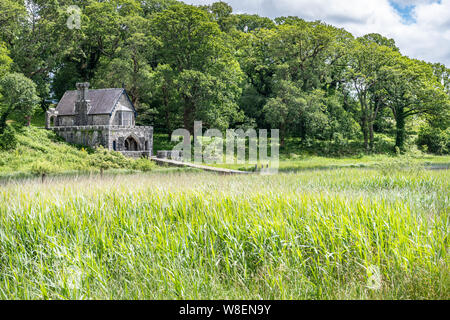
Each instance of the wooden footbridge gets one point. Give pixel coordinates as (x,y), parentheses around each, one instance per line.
(197,166)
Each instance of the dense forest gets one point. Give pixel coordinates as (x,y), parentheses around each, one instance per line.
(318,84)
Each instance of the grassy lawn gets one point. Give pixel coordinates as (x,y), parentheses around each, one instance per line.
(343,233)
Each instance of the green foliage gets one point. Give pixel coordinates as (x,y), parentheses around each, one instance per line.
(205,76)
(401,162)
(8,140)
(42,167)
(35,146)
(144,165)
(104,159)
(434,140)
(251,22)
(413,90)
(17,99)
(5,60)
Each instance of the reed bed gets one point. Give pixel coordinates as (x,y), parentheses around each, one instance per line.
(338,234)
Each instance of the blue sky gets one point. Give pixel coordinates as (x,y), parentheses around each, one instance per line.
(405,11)
(421,28)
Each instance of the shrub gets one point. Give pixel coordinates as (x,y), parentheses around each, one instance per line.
(434,140)
(144,165)
(42,168)
(384,143)
(340,144)
(8,140)
(104,159)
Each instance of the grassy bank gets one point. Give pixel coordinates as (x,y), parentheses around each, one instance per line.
(346,233)
(39,149)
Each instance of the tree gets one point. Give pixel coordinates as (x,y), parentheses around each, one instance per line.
(165,97)
(283,110)
(252,22)
(42,168)
(292,110)
(206,76)
(221,13)
(443,75)
(310,50)
(413,90)
(31,36)
(17,99)
(130,65)
(380,40)
(150,7)
(12,16)
(364,76)
(253,55)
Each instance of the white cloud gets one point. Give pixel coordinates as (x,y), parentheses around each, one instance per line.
(427,37)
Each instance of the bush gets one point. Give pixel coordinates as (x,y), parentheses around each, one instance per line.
(42,168)
(434,140)
(340,144)
(384,143)
(104,159)
(144,165)
(8,140)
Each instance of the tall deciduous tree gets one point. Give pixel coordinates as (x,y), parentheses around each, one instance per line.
(412,89)
(130,65)
(17,99)
(364,76)
(206,75)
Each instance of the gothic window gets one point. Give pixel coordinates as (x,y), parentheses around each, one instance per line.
(127,119)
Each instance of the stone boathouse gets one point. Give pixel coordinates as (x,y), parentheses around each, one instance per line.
(103,117)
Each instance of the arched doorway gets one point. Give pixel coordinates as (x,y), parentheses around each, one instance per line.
(131,144)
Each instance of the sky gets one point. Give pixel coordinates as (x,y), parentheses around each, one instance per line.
(421,28)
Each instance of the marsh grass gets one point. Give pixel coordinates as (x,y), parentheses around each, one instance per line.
(341,234)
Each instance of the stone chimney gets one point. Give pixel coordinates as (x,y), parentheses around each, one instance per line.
(83,91)
(83,105)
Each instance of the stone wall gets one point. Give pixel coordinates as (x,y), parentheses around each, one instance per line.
(99,120)
(110,137)
(91,136)
(65,121)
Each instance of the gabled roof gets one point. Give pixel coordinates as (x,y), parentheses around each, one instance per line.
(103,101)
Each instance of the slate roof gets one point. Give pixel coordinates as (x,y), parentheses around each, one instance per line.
(103,101)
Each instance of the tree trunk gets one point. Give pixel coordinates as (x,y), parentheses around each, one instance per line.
(371,137)
(167,119)
(282,135)
(3,119)
(167,112)
(400,129)
(365,131)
